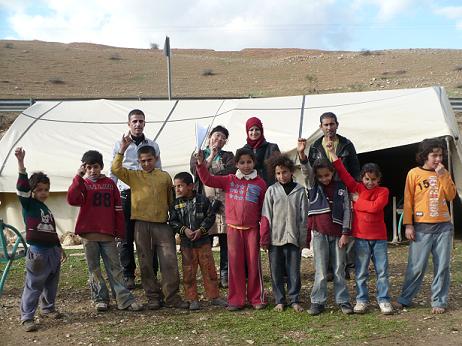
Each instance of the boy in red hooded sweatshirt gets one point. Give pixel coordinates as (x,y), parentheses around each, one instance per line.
(245,192)
(100,220)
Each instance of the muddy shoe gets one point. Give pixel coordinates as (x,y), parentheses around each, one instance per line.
(56,315)
(153,305)
(316,309)
(135,307)
(29,325)
(181,305)
(219,302)
(346,308)
(101,307)
(194,305)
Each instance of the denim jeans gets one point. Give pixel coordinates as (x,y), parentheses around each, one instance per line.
(285,259)
(377,249)
(107,250)
(222,239)
(440,246)
(326,247)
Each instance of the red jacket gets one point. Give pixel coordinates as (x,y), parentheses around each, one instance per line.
(244,198)
(368,218)
(100,206)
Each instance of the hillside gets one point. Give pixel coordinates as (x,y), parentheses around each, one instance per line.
(55,70)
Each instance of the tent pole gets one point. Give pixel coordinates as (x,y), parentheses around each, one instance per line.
(395,231)
(451,205)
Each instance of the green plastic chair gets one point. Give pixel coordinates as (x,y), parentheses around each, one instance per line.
(8,253)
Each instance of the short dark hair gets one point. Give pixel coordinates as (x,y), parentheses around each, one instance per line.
(280,160)
(244,151)
(185,177)
(328,115)
(136,112)
(371,168)
(221,129)
(427,146)
(91,157)
(147,149)
(36,178)
(323,163)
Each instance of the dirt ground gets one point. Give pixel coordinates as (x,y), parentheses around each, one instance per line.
(83,326)
(35,69)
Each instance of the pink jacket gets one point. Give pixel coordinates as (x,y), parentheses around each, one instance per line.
(244,198)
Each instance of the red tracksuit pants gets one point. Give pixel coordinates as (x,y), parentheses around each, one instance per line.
(244,253)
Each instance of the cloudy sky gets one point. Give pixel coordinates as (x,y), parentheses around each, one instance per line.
(238,24)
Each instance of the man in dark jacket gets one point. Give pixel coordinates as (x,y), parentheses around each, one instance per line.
(345,151)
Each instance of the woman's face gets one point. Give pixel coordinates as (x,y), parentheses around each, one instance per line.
(254,133)
(217,140)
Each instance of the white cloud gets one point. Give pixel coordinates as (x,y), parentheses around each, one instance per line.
(222,25)
(453,13)
(387,9)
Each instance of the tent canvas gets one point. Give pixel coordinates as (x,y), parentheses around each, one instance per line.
(383,125)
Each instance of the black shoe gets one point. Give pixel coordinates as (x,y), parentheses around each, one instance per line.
(346,308)
(316,309)
(224,282)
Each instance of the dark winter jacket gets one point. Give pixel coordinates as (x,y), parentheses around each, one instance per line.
(194,213)
(345,151)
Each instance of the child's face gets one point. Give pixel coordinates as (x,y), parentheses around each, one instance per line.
(370,180)
(324,175)
(147,162)
(41,192)
(217,140)
(245,164)
(283,174)
(93,170)
(434,159)
(182,189)
(254,133)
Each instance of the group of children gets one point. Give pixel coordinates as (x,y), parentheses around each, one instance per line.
(280,219)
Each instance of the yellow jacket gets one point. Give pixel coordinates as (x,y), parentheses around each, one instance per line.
(151,193)
(426,195)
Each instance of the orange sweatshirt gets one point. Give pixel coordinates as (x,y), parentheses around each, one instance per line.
(426,195)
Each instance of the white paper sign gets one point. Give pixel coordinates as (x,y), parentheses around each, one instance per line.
(201,134)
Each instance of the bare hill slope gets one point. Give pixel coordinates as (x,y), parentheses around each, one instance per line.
(54,70)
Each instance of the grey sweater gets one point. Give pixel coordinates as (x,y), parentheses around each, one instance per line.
(284,217)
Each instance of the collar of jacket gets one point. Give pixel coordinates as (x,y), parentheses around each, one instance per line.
(250,176)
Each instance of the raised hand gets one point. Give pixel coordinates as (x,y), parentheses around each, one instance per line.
(20,153)
(125,142)
(81,170)
(440,169)
(301,146)
(199,157)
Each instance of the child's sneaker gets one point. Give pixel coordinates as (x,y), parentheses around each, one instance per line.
(360,308)
(219,302)
(135,307)
(194,305)
(101,306)
(29,325)
(316,309)
(346,308)
(386,308)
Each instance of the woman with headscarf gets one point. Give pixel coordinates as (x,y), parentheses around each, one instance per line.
(219,162)
(263,150)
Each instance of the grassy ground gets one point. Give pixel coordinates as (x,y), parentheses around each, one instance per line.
(82,325)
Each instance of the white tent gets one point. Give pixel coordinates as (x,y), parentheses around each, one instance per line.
(56,134)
